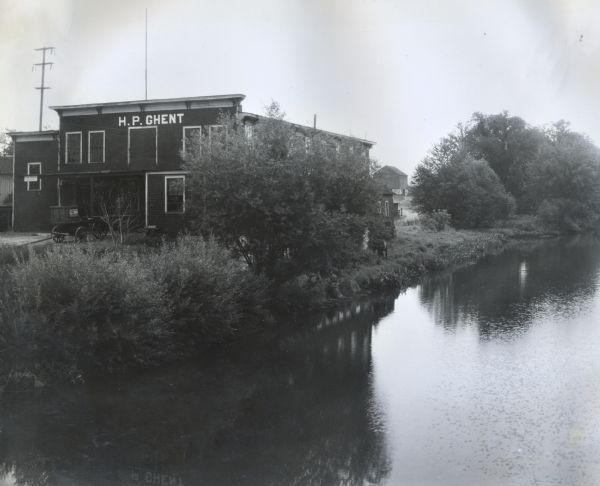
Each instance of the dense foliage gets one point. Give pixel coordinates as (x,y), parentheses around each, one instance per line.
(70,312)
(496,163)
(289,200)
(468,189)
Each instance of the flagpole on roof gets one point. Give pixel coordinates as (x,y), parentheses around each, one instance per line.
(146,59)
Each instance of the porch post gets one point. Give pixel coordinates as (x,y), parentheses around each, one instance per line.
(146,198)
(91,197)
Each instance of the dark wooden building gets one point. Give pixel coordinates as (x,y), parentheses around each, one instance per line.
(393,184)
(125,154)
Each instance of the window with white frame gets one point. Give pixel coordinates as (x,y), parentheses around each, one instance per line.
(216,134)
(191,137)
(249,131)
(34,182)
(141,149)
(175,194)
(96,147)
(73,143)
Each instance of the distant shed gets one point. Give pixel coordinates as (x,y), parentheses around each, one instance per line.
(393,183)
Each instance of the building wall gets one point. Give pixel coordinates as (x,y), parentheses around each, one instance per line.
(157,215)
(117,127)
(391,179)
(32,208)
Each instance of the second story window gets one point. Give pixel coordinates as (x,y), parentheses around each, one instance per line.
(96,147)
(216,134)
(34,170)
(191,137)
(142,146)
(73,148)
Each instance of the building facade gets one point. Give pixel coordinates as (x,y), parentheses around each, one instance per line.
(393,185)
(125,154)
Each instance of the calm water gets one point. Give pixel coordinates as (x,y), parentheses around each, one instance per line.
(487,375)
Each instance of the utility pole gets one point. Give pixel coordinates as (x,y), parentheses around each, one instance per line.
(43,87)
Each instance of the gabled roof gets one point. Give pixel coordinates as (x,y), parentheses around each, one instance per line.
(308,128)
(395,170)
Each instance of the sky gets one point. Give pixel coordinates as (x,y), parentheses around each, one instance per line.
(402,73)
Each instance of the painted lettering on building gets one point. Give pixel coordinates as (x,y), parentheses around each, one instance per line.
(150,120)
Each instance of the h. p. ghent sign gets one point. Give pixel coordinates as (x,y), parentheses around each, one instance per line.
(150,120)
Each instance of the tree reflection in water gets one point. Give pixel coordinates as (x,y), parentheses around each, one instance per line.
(547,278)
(293,409)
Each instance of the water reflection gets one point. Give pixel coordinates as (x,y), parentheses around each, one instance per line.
(502,294)
(290,410)
(489,375)
(486,375)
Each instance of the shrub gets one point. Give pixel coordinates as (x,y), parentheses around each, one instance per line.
(213,296)
(469,189)
(437,220)
(70,310)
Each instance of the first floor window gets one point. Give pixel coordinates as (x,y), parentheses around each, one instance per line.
(378,207)
(73,148)
(34,170)
(174,194)
(386,208)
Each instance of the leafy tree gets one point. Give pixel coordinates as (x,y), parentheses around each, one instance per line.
(288,201)
(509,145)
(451,179)
(564,181)
(6,144)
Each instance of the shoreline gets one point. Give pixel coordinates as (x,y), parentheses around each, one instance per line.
(182,300)
(416,253)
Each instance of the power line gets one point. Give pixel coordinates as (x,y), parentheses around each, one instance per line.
(43,87)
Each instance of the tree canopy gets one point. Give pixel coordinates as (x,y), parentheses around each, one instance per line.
(288,200)
(475,171)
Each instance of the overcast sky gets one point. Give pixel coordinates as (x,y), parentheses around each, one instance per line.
(402,73)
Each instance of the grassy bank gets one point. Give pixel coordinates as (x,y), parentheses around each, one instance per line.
(413,253)
(74,312)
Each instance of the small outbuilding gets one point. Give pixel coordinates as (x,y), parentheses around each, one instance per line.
(393,185)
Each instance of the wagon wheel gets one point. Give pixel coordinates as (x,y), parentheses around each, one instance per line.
(81,234)
(57,236)
(99,230)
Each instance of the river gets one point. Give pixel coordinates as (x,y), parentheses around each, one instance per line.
(486,375)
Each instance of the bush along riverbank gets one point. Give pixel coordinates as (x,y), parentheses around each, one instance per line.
(413,253)
(76,312)
(73,313)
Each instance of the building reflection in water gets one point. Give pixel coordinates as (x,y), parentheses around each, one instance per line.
(501,294)
(292,409)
